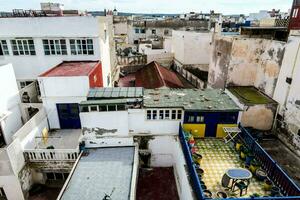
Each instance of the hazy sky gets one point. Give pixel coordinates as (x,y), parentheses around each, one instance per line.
(158,6)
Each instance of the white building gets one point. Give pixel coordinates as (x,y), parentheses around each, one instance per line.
(34,45)
(64,86)
(192,48)
(10,112)
(287,88)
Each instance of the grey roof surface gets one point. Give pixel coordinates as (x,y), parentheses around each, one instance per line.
(121,92)
(100,172)
(189,99)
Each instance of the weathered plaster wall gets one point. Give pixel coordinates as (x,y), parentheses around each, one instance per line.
(260,117)
(247,62)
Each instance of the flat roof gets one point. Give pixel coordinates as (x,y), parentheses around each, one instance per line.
(71,68)
(102,171)
(189,99)
(109,93)
(250,95)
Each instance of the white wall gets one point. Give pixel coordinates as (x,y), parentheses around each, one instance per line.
(139,125)
(65,86)
(191,48)
(285,94)
(50,105)
(38,28)
(9,102)
(166,151)
(12,187)
(107,120)
(56,90)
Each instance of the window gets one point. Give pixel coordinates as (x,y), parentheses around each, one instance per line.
(23,47)
(143,31)
(154,114)
(173,114)
(166,32)
(25,83)
(55,47)
(148,114)
(93,108)
(191,119)
(111,107)
(137,30)
(199,119)
(167,114)
(102,108)
(153,31)
(179,114)
(105,35)
(136,42)
(161,114)
(121,107)
(295,13)
(84,109)
(3,48)
(82,47)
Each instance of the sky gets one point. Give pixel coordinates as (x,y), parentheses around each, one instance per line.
(158,6)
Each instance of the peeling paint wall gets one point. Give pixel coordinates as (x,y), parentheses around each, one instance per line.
(246,62)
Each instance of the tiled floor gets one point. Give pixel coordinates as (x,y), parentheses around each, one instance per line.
(217,158)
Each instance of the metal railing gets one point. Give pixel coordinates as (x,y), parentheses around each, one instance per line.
(38,155)
(288,188)
(274,171)
(191,166)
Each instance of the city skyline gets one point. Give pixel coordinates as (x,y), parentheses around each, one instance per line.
(146,6)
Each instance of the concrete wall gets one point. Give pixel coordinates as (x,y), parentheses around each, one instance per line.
(245,62)
(287,94)
(12,187)
(191,48)
(166,152)
(38,28)
(9,102)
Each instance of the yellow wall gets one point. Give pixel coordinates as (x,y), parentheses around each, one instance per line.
(220,131)
(198,130)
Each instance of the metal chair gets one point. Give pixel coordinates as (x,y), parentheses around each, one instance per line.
(225,181)
(242,185)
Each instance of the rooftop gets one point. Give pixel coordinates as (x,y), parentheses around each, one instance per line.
(250,95)
(189,99)
(103,171)
(155,76)
(71,68)
(110,93)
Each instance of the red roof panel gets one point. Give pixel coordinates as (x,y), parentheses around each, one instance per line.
(71,68)
(155,76)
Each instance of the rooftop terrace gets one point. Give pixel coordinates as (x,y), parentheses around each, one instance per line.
(189,99)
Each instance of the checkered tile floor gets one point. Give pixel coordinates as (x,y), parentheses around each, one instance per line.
(217,158)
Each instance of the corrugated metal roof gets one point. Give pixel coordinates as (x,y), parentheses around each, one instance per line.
(189,99)
(109,101)
(108,93)
(102,171)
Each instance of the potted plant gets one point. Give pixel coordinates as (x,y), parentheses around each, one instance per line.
(238,145)
(244,152)
(254,165)
(268,184)
(197,157)
(249,158)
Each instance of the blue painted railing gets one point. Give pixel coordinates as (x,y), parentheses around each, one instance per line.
(191,166)
(289,189)
(287,186)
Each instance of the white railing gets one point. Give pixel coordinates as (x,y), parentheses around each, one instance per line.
(37,155)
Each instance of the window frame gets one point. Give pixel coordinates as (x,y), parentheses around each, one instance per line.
(81,46)
(55,47)
(93,106)
(23,47)
(4,48)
